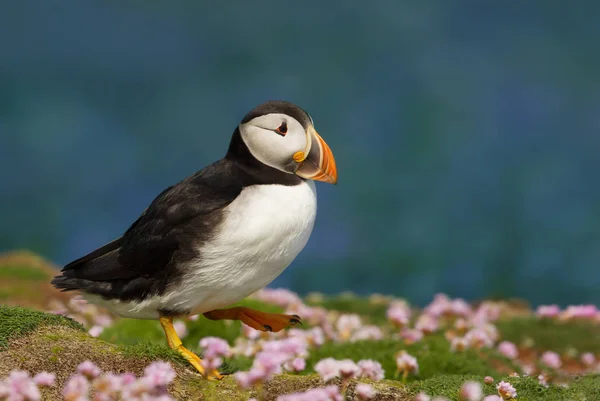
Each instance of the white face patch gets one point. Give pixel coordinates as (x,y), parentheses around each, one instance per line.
(272,147)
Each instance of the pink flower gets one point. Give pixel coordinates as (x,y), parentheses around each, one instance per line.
(551,359)
(364,391)
(588,359)
(579,312)
(492,398)
(399,314)
(411,336)
(214,347)
(543,380)
(422,397)
(89,369)
(102,320)
(506,390)
(265,365)
(459,307)
(427,324)
(313,337)
(488,379)
(279,296)
(108,385)
(547,311)
(329,393)
(327,368)
(371,369)
(159,374)
(180,329)
(95,331)
(479,338)
(292,346)
(45,379)
(19,386)
(471,391)
(459,344)
(77,388)
(508,349)
(406,363)
(367,333)
(296,365)
(347,324)
(348,369)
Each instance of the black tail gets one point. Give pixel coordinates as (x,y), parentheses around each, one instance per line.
(93,271)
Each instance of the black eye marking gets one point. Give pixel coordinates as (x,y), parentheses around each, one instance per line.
(282,129)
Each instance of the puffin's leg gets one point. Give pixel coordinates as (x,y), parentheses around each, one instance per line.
(175,343)
(258,320)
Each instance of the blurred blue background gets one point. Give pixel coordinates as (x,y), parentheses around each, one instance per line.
(466,133)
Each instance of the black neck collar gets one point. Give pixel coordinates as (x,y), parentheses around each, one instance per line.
(258,172)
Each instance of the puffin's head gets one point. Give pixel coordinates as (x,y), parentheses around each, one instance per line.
(281,135)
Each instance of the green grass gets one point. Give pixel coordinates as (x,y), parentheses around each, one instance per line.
(528,388)
(552,335)
(23,273)
(16,322)
(433,355)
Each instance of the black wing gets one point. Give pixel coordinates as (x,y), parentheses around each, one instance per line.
(165,235)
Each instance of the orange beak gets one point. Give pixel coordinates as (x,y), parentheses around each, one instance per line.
(319,165)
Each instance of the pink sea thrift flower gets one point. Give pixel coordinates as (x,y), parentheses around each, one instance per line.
(95,331)
(364,391)
(506,390)
(348,369)
(406,363)
(278,296)
(508,349)
(460,307)
(547,311)
(77,388)
(543,380)
(422,397)
(579,312)
(488,380)
(470,391)
(588,359)
(327,368)
(479,338)
(180,328)
(159,373)
(296,365)
(214,347)
(19,386)
(551,359)
(347,324)
(399,314)
(371,369)
(329,393)
(427,324)
(265,365)
(459,344)
(108,385)
(89,369)
(45,379)
(367,333)
(411,336)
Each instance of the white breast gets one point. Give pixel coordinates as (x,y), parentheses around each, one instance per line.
(262,231)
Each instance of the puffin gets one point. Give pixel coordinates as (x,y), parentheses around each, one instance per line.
(218,235)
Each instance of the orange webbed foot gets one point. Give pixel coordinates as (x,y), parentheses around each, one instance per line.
(258,320)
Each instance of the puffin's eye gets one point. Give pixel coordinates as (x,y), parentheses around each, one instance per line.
(282,129)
